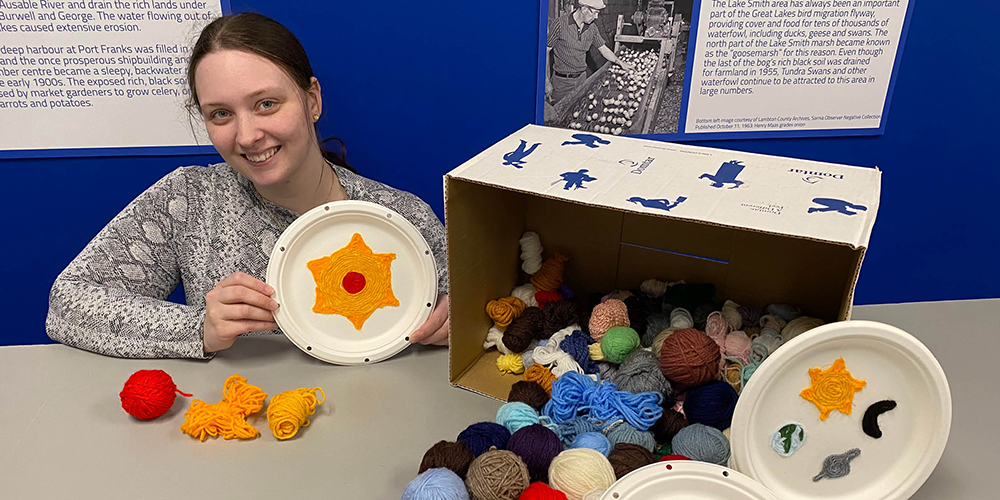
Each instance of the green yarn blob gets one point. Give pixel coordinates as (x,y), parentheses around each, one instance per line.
(618,342)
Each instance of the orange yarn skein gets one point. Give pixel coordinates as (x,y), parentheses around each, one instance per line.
(504,310)
(290,410)
(227,418)
(541,375)
(550,276)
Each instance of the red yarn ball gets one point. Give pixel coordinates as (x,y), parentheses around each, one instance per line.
(541,491)
(667,458)
(148,394)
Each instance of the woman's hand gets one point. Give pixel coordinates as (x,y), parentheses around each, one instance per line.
(434,331)
(238,304)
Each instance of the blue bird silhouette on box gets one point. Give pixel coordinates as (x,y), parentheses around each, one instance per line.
(516,157)
(657,203)
(835,205)
(589,140)
(726,174)
(575,179)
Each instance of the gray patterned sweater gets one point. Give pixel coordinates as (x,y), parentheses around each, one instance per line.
(196,226)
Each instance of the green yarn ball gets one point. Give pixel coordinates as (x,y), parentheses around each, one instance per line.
(618,343)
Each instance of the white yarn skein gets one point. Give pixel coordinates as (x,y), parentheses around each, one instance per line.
(531,252)
(526,293)
(577,472)
(680,318)
(494,337)
(653,287)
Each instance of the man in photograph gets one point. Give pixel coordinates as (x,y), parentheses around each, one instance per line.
(570,37)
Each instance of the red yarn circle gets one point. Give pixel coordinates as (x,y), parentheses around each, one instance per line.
(541,491)
(354,282)
(148,394)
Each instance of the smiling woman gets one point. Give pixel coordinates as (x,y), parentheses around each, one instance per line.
(212,229)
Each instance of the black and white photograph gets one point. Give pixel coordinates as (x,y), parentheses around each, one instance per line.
(616,66)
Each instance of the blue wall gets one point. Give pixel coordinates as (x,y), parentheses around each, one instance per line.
(416,88)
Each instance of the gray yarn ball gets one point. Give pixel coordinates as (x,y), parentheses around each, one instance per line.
(640,372)
(606,371)
(527,355)
(627,433)
(654,325)
(703,443)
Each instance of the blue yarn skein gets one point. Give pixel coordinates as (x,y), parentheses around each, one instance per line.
(516,415)
(575,344)
(701,442)
(711,404)
(784,311)
(482,436)
(625,433)
(574,393)
(568,430)
(594,441)
(436,484)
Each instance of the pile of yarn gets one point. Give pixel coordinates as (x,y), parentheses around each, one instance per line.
(611,382)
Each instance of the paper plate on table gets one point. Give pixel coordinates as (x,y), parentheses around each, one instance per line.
(893,365)
(686,480)
(353,280)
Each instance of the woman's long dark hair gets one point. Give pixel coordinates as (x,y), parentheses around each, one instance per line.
(265,37)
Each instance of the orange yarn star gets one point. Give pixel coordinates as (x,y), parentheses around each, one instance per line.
(353,282)
(832,389)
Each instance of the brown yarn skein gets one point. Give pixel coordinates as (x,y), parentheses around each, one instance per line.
(689,357)
(530,393)
(558,315)
(523,328)
(627,457)
(454,455)
(668,425)
(497,475)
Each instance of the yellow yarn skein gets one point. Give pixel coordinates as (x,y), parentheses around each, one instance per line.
(227,418)
(290,410)
(510,363)
(596,353)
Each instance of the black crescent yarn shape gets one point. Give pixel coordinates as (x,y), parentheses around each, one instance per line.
(870,421)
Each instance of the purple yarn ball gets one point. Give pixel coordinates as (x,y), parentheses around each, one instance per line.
(483,436)
(537,445)
(711,404)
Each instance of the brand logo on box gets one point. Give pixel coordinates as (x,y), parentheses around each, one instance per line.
(517,156)
(657,203)
(727,174)
(835,205)
(769,208)
(575,179)
(637,168)
(589,140)
(813,176)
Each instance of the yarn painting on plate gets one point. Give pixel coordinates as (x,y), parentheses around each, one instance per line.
(353,282)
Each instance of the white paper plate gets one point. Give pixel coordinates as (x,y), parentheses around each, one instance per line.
(895,366)
(319,233)
(686,480)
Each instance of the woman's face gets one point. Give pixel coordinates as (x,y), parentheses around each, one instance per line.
(258,119)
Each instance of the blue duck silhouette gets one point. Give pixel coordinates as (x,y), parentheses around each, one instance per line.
(516,157)
(658,203)
(575,179)
(726,174)
(589,140)
(835,205)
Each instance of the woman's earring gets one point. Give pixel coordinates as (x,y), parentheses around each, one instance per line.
(315,118)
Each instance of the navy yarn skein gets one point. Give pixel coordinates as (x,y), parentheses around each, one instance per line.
(711,404)
(482,436)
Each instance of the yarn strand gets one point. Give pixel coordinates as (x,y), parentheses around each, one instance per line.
(227,418)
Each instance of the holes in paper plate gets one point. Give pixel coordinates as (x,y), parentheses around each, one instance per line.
(388,216)
(670,467)
(366,360)
(615,494)
(428,304)
(326,207)
(309,347)
(725,473)
(407,339)
(282,249)
(427,252)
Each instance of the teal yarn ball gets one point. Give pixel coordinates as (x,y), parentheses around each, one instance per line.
(436,484)
(618,342)
(516,415)
(594,441)
(703,443)
(627,433)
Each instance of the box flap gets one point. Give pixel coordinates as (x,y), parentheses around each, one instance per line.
(807,199)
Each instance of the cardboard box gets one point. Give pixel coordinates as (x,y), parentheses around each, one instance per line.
(763,229)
